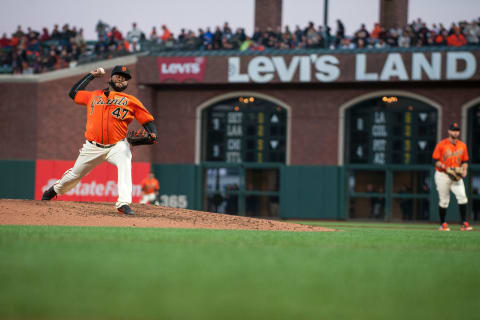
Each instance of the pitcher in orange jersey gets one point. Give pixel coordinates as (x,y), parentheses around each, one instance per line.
(109,112)
(150,188)
(451,153)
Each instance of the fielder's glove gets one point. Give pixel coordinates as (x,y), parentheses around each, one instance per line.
(454,173)
(140,137)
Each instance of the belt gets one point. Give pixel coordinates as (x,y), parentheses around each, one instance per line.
(104,146)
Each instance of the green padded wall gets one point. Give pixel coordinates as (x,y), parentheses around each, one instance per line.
(18,179)
(311,192)
(178,180)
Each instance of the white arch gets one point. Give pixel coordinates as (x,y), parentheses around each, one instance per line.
(235,94)
(464,120)
(348,104)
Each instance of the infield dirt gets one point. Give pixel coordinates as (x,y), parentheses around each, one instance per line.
(66,213)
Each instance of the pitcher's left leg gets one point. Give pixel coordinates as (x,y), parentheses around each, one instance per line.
(121,157)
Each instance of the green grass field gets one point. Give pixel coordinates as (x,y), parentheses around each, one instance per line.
(369,271)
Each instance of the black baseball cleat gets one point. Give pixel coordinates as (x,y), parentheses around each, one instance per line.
(125,209)
(49,194)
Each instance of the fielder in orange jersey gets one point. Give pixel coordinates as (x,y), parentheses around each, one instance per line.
(109,112)
(150,188)
(451,153)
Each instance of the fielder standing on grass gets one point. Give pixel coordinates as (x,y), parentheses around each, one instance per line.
(150,188)
(109,112)
(450,157)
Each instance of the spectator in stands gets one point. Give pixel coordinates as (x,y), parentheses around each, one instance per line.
(182,37)
(102,30)
(208,40)
(361,44)
(133,37)
(361,33)
(345,43)
(166,35)
(472,33)
(381,44)
(66,34)
(376,31)
(227,31)
(55,35)
(405,39)
(51,61)
(257,35)
(79,40)
(441,38)
(392,39)
(31,34)
(456,39)
(247,44)
(45,36)
(19,33)
(153,35)
(4,41)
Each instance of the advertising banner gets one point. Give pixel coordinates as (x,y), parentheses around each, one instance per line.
(181,69)
(99,185)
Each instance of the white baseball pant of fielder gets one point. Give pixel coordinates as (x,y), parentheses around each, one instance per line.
(445,185)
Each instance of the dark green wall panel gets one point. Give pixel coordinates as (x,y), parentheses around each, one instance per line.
(178,180)
(17,179)
(310,192)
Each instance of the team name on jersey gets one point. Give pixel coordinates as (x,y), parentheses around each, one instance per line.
(448,154)
(115,101)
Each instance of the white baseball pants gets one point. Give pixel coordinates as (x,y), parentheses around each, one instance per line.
(147,198)
(445,185)
(90,157)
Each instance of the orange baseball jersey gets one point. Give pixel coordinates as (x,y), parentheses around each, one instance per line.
(150,185)
(108,117)
(451,155)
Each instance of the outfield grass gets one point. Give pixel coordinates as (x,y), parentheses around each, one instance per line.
(127,273)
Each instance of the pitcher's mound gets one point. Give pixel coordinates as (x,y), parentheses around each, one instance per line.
(66,213)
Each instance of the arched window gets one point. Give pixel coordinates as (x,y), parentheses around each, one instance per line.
(244,129)
(390,130)
(243,147)
(473,140)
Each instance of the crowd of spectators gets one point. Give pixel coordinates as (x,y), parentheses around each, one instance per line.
(415,34)
(30,51)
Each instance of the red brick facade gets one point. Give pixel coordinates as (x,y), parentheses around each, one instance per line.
(393,12)
(42,122)
(268,14)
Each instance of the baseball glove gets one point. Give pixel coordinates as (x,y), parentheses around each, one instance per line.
(454,173)
(140,137)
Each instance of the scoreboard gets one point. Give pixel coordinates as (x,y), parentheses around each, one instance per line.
(390,130)
(245,129)
(473,142)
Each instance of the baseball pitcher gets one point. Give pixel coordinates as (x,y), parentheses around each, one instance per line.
(450,157)
(109,112)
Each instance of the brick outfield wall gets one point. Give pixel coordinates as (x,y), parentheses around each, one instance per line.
(42,122)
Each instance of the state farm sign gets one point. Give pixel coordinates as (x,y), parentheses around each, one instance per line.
(99,185)
(181,68)
(415,66)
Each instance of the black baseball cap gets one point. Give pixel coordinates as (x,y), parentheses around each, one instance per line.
(454,127)
(123,70)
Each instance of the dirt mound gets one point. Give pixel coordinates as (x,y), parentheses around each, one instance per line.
(66,213)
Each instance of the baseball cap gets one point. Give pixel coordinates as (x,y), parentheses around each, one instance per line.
(454,127)
(123,70)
